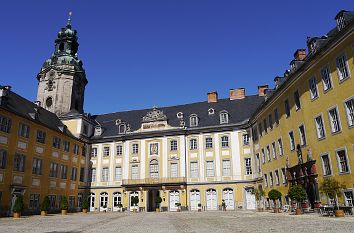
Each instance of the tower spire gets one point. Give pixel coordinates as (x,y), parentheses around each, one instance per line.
(68,25)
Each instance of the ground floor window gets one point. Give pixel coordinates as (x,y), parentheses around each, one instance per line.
(348,197)
(71,202)
(52,201)
(103,200)
(79,200)
(117,199)
(34,202)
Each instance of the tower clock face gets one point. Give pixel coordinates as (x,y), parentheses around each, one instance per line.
(49,102)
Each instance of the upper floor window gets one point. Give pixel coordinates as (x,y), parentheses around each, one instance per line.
(342,161)
(40,136)
(105,174)
(119,150)
(292,140)
(5,124)
(208,143)
(276,116)
(226,167)
(276,172)
(248,166)
(270,119)
(287,108)
(297,100)
(53,171)
(98,131)
(260,129)
(73,175)
(23,130)
(209,168)
(342,67)
(320,127)
(224,141)
(265,180)
(19,162)
(63,171)
(173,145)
(265,125)
(280,147)
(246,139)
(193,144)
(194,169)
(37,166)
(94,152)
(302,135)
(76,149)
(254,133)
(313,88)
(334,120)
(224,117)
(326,78)
(3,158)
(66,146)
(274,150)
(106,151)
(154,168)
(193,120)
(122,128)
(56,142)
(326,165)
(349,109)
(135,148)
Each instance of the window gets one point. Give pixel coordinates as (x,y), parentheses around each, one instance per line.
(254,133)
(122,128)
(334,120)
(5,124)
(248,166)
(154,168)
(82,174)
(287,108)
(276,172)
(53,172)
(224,141)
(118,173)
(194,169)
(292,140)
(52,201)
(71,202)
(349,109)
(19,162)
(226,167)
(326,78)
(56,142)
(134,172)
(193,121)
(105,174)
(313,88)
(209,168)
(85,130)
(246,139)
(302,135)
(342,161)
(208,143)
(63,171)
(320,127)
(3,159)
(193,144)
(342,67)
(106,151)
(297,100)
(283,174)
(348,197)
(37,166)
(119,150)
(224,118)
(173,145)
(271,181)
(280,147)
(66,146)
(33,202)
(23,130)
(135,148)
(174,170)
(270,119)
(263,156)
(260,129)
(326,165)
(73,174)
(265,180)
(76,149)
(265,125)
(268,153)
(274,151)
(40,136)
(94,152)
(98,131)
(93,174)
(276,116)
(258,163)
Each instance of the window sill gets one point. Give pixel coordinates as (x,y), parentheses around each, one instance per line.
(314,98)
(335,133)
(297,109)
(344,173)
(327,175)
(343,80)
(327,90)
(321,139)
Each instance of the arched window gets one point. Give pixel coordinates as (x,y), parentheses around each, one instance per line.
(154,168)
(194,199)
(49,102)
(103,200)
(193,120)
(117,200)
(122,128)
(224,117)
(228,197)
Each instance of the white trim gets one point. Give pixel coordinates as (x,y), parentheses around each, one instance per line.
(345,109)
(322,163)
(330,121)
(347,159)
(324,127)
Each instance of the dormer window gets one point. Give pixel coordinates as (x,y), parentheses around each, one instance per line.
(122,128)
(211,111)
(98,131)
(180,115)
(224,117)
(340,23)
(193,120)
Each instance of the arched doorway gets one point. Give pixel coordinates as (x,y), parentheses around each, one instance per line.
(228,197)
(211,199)
(194,199)
(117,200)
(92,201)
(174,198)
(250,199)
(131,205)
(104,201)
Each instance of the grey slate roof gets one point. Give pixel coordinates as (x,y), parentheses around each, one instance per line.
(239,112)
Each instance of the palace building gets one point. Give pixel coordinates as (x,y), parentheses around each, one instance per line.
(191,156)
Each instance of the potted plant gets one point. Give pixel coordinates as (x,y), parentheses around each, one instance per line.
(45,206)
(298,194)
(275,195)
(259,196)
(120,206)
(85,205)
(178,205)
(18,207)
(199,207)
(64,205)
(333,188)
(134,201)
(158,201)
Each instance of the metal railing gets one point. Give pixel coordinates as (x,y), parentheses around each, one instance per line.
(174,180)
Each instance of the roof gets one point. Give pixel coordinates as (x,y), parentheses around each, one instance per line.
(239,111)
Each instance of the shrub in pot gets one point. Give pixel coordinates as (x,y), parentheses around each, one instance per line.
(18,207)
(333,188)
(158,201)
(120,206)
(199,207)
(45,206)
(85,205)
(134,202)
(178,205)
(275,195)
(64,205)
(297,193)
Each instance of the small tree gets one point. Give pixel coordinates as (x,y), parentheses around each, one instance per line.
(274,195)
(134,201)
(18,206)
(64,203)
(158,200)
(45,204)
(332,188)
(259,194)
(298,194)
(85,203)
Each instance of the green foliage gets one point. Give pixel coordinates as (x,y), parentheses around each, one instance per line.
(297,193)
(178,204)
(64,203)
(258,193)
(331,187)
(120,205)
(18,206)
(45,204)
(85,203)
(134,200)
(199,205)
(158,200)
(274,194)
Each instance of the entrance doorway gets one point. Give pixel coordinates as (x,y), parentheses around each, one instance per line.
(174,198)
(211,199)
(152,195)
(16,192)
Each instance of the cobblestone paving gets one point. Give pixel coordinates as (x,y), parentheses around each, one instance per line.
(237,221)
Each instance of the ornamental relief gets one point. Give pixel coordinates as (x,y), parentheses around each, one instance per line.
(154,115)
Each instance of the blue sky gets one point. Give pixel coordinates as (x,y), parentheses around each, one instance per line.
(141,53)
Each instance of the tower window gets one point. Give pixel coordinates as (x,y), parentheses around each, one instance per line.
(61,47)
(49,102)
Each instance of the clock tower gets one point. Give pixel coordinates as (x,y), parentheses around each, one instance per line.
(62,79)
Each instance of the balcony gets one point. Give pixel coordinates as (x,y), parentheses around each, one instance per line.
(154,181)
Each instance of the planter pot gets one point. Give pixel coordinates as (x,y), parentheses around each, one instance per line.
(339,213)
(199,210)
(298,211)
(44,213)
(276,210)
(64,212)
(260,209)
(135,210)
(84,211)
(157,209)
(178,210)
(17,214)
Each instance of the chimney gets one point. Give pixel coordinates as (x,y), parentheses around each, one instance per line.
(237,93)
(38,103)
(300,54)
(212,97)
(262,89)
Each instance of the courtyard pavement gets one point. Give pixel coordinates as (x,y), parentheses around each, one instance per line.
(235,221)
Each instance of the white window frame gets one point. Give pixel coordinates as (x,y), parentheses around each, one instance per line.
(93,174)
(268,153)
(271,179)
(193,144)
(134,176)
(349,112)
(210,168)
(225,141)
(173,145)
(347,201)
(263,156)
(326,78)
(174,173)
(208,143)
(346,66)
(283,175)
(135,148)
(340,171)
(297,98)
(94,152)
(265,180)
(277,178)
(194,169)
(317,126)
(303,139)
(313,88)
(245,139)
(226,167)
(105,151)
(224,117)
(292,142)
(331,120)
(280,146)
(105,175)
(323,164)
(118,173)
(248,166)
(119,149)
(193,120)
(274,150)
